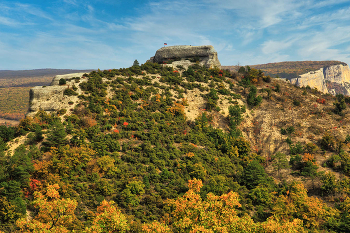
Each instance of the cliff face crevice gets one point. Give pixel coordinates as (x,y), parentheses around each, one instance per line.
(331,79)
(51,98)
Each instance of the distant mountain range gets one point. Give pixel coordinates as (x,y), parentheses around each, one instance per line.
(289,69)
(4,74)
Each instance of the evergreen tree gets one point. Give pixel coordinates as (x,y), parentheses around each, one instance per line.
(280,161)
(136,63)
(57,136)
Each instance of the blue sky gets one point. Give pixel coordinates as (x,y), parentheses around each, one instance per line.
(83,34)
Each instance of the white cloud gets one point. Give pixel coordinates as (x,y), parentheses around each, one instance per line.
(8,22)
(29,9)
(270,47)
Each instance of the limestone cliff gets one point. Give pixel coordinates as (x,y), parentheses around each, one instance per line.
(330,79)
(205,54)
(51,98)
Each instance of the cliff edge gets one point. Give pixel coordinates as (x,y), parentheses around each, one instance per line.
(330,79)
(51,98)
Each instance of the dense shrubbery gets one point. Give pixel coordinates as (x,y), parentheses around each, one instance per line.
(135,149)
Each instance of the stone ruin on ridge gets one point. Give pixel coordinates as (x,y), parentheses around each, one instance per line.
(184,54)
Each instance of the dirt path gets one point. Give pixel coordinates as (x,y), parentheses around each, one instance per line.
(15,143)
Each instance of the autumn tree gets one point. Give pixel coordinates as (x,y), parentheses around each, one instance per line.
(190,213)
(108,219)
(55,214)
(296,204)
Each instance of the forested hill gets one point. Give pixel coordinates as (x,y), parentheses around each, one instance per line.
(151,148)
(288,69)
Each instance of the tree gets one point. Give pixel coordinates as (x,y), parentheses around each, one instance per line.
(190,213)
(108,219)
(329,183)
(236,118)
(254,175)
(252,99)
(280,161)
(136,63)
(339,104)
(57,135)
(296,204)
(55,214)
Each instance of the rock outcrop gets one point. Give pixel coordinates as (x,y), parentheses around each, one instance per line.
(181,54)
(51,98)
(330,79)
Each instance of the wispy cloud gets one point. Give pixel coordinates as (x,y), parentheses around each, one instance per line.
(8,21)
(270,47)
(29,9)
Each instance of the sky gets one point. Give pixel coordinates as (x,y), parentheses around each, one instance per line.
(106,34)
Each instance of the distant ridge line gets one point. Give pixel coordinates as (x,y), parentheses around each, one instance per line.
(289,69)
(38,72)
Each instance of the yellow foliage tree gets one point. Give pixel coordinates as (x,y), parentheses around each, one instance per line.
(54,214)
(108,219)
(215,214)
(298,205)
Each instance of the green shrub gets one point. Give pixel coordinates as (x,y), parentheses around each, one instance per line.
(62,81)
(267,79)
(61,111)
(69,92)
(339,104)
(296,102)
(252,99)
(327,142)
(296,149)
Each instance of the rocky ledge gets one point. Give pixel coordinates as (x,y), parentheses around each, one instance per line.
(51,98)
(181,54)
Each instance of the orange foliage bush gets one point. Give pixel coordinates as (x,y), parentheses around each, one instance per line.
(88,122)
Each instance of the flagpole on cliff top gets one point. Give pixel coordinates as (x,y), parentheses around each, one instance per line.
(165,44)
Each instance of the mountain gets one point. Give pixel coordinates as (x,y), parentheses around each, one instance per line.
(289,69)
(8,74)
(333,79)
(157,148)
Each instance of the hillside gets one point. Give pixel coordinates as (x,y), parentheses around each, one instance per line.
(288,69)
(151,148)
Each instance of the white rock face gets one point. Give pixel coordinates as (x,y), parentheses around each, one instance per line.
(331,79)
(51,98)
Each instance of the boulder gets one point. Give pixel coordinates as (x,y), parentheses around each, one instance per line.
(205,54)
